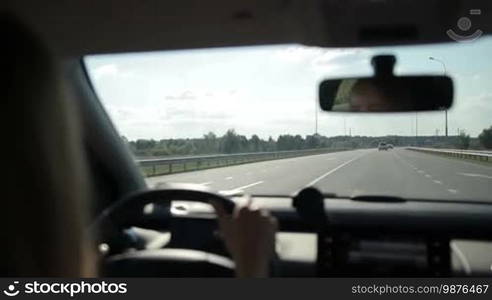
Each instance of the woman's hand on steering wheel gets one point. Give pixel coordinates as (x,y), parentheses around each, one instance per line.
(249,235)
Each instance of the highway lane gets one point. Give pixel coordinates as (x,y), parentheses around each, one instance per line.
(461,178)
(397,172)
(282,177)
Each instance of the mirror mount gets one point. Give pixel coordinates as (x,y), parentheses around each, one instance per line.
(383,65)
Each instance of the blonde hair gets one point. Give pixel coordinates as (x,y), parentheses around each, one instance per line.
(344,91)
(44,212)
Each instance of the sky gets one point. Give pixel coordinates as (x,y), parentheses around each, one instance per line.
(272,90)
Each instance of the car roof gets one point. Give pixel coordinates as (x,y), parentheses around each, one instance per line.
(76,27)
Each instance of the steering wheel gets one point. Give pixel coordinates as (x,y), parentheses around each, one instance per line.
(165,262)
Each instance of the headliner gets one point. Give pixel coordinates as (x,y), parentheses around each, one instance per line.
(74,28)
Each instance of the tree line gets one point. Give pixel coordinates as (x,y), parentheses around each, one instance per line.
(232,142)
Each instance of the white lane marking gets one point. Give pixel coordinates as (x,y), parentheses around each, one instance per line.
(228,178)
(411,165)
(230,193)
(239,190)
(422,172)
(405,161)
(248,185)
(462,257)
(475,175)
(331,158)
(206,183)
(452,191)
(332,171)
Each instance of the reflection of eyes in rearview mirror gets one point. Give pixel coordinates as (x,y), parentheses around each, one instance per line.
(386,94)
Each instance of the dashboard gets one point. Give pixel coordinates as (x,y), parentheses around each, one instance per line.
(357,237)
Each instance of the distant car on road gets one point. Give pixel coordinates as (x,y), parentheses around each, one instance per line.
(390,146)
(383,146)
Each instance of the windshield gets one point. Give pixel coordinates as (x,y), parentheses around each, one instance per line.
(248,119)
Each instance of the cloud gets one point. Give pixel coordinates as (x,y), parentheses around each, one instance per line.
(343,63)
(298,53)
(342,57)
(324,59)
(186,95)
(105,70)
(267,91)
(110,71)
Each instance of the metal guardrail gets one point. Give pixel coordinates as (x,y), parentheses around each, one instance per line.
(465,154)
(162,166)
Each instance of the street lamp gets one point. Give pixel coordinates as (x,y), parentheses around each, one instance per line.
(344,126)
(440,61)
(446,110)
(316,117)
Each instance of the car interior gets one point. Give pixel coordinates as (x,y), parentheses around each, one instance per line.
(171,231)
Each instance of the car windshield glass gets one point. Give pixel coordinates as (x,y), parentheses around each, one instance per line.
(248,119)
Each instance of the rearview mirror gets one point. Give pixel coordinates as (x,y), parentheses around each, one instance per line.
(385,92)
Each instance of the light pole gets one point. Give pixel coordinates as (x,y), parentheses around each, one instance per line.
(344,126)
(445,110)
(316,118)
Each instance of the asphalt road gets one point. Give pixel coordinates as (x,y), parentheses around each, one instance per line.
(396,172)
